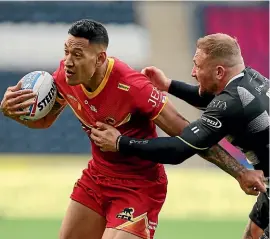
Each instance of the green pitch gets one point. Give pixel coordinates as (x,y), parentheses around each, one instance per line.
(168,229)
(201,203)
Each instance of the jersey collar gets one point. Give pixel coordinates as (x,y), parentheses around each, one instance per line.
(91,95)
(235,77)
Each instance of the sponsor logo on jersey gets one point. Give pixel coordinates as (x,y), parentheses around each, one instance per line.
(155,98)
(218,104)
(123,87)
(133,141)
(126,214)
(92,107)
(211,121)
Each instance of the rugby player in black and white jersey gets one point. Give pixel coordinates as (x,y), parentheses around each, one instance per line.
(236,103)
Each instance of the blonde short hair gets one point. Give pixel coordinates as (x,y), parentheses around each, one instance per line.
(221,47)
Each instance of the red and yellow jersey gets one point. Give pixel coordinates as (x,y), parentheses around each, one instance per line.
(125,99)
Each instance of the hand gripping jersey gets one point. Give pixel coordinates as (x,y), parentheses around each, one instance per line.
(125,99)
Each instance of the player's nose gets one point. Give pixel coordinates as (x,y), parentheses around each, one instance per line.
(193,72)
(68,62)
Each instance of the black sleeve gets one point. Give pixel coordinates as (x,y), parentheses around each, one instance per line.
(198,136)
(190,94)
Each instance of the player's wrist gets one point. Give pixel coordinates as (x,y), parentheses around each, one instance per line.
(240,173)
(117,142)
(167,85)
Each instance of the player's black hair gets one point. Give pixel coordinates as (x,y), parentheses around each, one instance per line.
(94,31)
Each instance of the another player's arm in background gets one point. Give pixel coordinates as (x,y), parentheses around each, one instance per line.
(197,137)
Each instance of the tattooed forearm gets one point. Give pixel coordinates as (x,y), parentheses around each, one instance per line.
(218,156)
(247,233)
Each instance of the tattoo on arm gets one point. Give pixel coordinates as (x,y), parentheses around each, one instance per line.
(218,156)
(247,233)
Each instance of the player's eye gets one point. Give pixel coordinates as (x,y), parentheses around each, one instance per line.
(78,55)
(66,52)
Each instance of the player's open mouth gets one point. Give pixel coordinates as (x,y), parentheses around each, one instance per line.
(69,73)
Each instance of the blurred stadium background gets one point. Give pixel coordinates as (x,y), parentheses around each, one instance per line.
(39,167)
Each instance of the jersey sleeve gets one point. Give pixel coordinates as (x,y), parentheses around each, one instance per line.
(147,99)
(57,76)
(214,123)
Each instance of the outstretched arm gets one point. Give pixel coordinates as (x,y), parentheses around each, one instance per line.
(189,93)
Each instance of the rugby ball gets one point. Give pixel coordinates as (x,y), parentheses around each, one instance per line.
(42,83)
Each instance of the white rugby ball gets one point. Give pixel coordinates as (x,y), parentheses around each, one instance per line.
(42,83)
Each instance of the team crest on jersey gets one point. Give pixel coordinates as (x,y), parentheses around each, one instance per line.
(126,214)
(123,87)
(110,121)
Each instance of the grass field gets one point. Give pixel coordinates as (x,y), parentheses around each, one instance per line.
(201,203)
(168,229)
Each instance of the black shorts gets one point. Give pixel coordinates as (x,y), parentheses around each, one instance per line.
(260,212)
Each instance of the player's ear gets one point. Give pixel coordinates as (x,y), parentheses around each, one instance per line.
(220,72)
(101,58)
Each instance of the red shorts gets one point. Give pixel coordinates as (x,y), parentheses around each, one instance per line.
(131,205)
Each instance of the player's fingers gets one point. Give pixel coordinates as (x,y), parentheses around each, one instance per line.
(18,86)
(95,138)
(252,191)
(14,88)
(143,71)
(148,71)
(21,98)
(103,126)
(260,186)
(15,94)
(265,180)
(96,132)
(21,105)
(19,113)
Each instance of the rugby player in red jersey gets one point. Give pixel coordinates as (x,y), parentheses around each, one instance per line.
(116,197)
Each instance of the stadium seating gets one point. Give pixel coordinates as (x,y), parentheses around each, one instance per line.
(65,136)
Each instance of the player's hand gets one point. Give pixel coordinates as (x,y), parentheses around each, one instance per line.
(252,182)
(105,137)
(16,100)
(157,77)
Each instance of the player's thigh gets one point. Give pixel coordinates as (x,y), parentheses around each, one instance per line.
(134,207)
(252,231)
(82,222)
(111,233)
